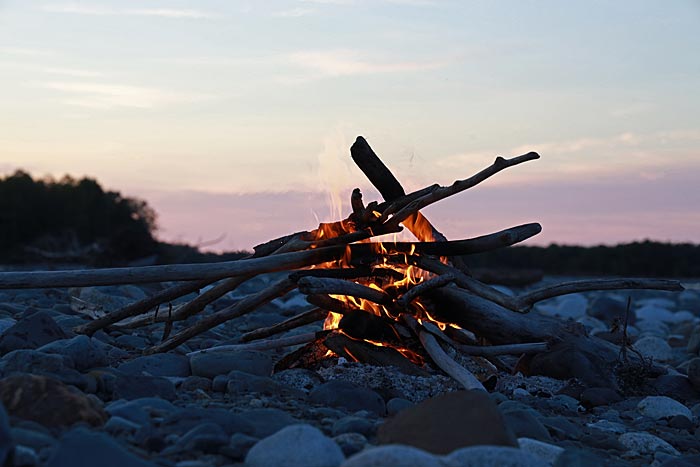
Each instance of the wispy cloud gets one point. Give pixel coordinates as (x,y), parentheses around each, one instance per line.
(25,51)
(297,12)
(108,96)
(100,10)
(352,62)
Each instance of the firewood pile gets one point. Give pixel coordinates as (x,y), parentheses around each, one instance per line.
(386,303)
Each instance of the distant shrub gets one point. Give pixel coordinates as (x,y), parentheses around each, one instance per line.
(47,214)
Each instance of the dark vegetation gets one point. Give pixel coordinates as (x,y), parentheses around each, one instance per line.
(76,220)
(647,258)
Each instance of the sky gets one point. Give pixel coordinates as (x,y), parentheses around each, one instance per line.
(234,119)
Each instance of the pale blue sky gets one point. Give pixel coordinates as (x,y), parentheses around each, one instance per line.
(205,107)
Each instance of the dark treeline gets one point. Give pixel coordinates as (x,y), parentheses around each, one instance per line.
(66,216)
(647,258)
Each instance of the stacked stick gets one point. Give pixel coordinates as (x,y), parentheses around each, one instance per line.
(347,243)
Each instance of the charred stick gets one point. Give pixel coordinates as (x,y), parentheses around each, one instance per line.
(347,273)
(441,359)
(485,350)
(319,285)
(245,305)
(140,306)
(460,185)
(390,188)
(358,207)
(331,304)
(414,292)
(263,345)
(294,322)
(171,272)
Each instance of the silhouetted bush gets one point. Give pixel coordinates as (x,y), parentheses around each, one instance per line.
(48,216)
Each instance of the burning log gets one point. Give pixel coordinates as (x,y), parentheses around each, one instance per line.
(394,303)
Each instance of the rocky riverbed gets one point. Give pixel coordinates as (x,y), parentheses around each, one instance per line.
(72,400)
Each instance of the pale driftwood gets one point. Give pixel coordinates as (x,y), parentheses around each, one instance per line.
(485,350)
(320,285)
(417,290)
(564,288)
(443,192)
(141,306)
(441,359)
(294,322)
(245,305)
(261,345)
(523,303)
(172,272)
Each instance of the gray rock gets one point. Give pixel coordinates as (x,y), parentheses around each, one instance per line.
(85,352)
(34,439)
(31,332)
(267,421)
(677,387)
(5,324)
(25,456)
(645,443)
(238,446)
(526,425)
(686,461)
(658,407)
(213,363)
(6,442)
(491,456)
(571,306)
(350,443)
(238,383)
(341,393)
(654,347)
(84,448)
(118,426)
(140,410)
(129,341)
(608,309)
(283,448)
(182,420)
(595,397)
(352,424)
(694,373)
(162,364)
(394,455)
(140,386)
(448,422)
(40,363)
(548,453)
(577,458)
(561,427)
(207,437)
(397,404)
(192,383)
(654,313)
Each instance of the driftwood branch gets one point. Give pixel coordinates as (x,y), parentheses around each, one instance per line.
(417,290)
(294,322)
(171,272)
(331,304)
(443,192)
(140,306)
(262,345)
(530,298)
(441,359)
(318,285)
(245,305)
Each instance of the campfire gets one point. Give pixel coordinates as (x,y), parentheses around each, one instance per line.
(398,303)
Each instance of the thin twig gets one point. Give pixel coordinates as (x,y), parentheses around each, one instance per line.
(261,345)
(240,308)
(294,322)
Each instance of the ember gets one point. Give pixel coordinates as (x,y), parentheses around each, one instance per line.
(386,303)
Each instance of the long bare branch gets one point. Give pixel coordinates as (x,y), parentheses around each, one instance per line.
(294,322)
